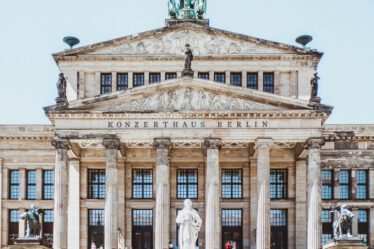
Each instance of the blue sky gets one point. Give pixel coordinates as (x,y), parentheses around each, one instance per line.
(31,30)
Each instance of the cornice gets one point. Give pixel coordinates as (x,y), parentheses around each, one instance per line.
(26,138)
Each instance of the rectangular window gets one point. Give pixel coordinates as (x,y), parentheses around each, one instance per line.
(269,82)
(232,227)
(236,79)
(363,225)
(106,83)
(13,226)
(327,230)
(14,184)
(345,184)
(142,229)
(122,81)
(48,181)
(202,75)
(48,227)
(142,183)
(362,184)
(96,228)
(154,78)
(220,77)
(170,76)
(231,217)
(187,184)
(31,184)
(279,226)
(252,81)
(138,79)
(327,184)
(231,183)
(96,184)
(278,184)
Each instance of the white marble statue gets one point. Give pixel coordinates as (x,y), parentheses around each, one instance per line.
(189,223)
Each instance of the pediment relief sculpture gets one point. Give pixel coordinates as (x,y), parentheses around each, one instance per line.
(188,99)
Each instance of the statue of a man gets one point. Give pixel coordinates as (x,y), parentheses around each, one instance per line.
(314,85)
(61,86)
(189,58)
(189,223)
(32,221)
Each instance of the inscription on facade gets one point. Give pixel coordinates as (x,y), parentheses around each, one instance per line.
(185,124)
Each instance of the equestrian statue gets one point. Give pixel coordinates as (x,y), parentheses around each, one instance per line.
(342,222)
(33,225)
(187,9)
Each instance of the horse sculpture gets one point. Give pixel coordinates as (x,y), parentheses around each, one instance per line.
(343,221)
(193,8)
(32,221)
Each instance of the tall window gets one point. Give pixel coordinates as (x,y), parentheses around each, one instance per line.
(187,184)
(138,79)
(345,184)
(362,184)
(106,83)
(269,82)
(327,184)
(170,76)
(31,185)
(96,228)
(154,78)
(279,233)
(96,183)
(232,227)
(13,226)
(122,81)
(327,230)
(203,75)
(278,184)
(231,184)
(14,184)
(142,184)
(363,225)
(142,229)
(48,188)
(48,227)
(236,79)
(252,81)
(220,77)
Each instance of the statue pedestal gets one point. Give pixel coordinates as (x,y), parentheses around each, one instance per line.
(172,22)
(187,73)
(346,243)
(28,243)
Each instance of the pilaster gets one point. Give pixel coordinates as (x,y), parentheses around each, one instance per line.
(1,201)
(21,224)
(22,184)
(301,214)
(39,184)
(260,80)
(74,204)
(162,221)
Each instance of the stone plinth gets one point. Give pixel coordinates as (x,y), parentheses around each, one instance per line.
(172,22)
(346,243)
(28,243)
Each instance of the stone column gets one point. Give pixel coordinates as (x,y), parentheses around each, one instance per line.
(74,204)
(162,219)
(300,223)
(111,195)
(314,194)
(61,194)
(263,228)
(212,210)
(354,231)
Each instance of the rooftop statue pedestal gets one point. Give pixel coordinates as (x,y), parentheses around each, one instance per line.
(28,243)
(346,243)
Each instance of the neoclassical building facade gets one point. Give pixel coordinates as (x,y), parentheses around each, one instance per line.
(242,138)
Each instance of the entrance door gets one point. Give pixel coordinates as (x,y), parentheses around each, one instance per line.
(142,229)
(278,228)
(233,234)
(232,228)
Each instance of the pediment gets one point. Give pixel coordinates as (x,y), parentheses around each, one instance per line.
(204,41)
(188,95)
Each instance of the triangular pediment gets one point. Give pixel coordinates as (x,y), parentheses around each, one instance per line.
(187,95)
(203,40)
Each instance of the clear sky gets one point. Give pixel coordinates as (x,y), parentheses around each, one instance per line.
(31,30)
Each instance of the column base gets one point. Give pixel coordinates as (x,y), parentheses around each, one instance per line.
(346,243)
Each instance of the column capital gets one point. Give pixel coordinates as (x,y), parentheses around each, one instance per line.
(161,143)
(213,143)
(60,143)
(314,143)
(111,143)
(264,143)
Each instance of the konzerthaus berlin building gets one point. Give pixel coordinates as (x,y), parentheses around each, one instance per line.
(242,138)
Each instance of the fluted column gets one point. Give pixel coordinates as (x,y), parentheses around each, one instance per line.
(60,194)
(314,193)
(111,195)
(263,229)
(212,211)
(162,221)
